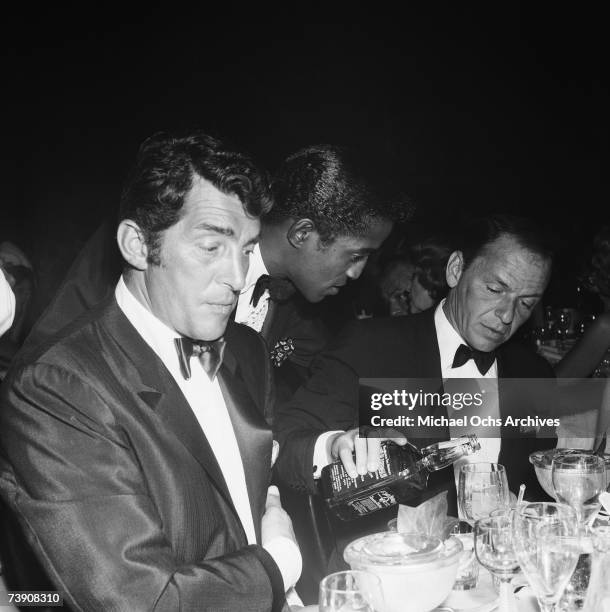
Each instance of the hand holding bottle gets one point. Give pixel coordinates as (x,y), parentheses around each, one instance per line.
(344,445)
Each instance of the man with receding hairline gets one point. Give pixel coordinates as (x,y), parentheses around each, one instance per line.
(496,277)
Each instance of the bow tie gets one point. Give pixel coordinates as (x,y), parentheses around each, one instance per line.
(279,289)
(208,353)
(482,360)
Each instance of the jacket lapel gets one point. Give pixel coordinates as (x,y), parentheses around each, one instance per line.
(253,437)
(159,391)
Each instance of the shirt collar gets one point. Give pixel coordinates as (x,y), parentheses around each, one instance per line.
(255,270)
(448,338)
(157,334)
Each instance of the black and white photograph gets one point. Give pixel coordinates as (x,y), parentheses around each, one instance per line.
(305,314)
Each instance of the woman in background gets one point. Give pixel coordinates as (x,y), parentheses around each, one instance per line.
(416,281)
(590,356)
(587,356)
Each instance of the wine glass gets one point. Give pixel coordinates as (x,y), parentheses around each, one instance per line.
(578,479)
(351,591)
(493,545)
(545,540)
(482,488)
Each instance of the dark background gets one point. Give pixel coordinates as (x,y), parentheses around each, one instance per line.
(479,109)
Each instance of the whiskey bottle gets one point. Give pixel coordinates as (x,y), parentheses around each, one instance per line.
(402,476)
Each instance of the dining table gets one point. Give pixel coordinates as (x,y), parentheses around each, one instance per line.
(483,598)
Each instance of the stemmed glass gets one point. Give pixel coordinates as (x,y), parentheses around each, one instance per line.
(545,540)
(482,488)
(493,545)
(578,479)
(351,591)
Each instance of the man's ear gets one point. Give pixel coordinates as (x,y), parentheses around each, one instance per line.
(132,245)
(455,268)
(300,232)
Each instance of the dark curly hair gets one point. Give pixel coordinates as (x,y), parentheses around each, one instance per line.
(337,189)
(597,272)
(163,173)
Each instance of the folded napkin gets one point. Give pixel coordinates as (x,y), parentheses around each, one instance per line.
(429,518)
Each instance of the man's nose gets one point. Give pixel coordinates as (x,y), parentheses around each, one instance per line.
(505,311)
(355,270)
(235,272)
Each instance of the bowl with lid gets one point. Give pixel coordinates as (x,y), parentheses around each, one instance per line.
(417,572)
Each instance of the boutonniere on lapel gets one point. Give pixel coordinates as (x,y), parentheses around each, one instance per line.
(282,349)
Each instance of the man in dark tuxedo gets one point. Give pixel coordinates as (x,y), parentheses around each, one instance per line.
(496,278)
(138,473)
(329,214)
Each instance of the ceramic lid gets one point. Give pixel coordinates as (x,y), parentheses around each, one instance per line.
(391,548)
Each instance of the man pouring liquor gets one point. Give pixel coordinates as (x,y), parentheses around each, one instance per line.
(496,277)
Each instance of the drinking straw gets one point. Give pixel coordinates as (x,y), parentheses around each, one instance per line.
(592,520)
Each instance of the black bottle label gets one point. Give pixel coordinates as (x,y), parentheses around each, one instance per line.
(372,502)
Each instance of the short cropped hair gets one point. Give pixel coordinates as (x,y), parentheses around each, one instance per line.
(479,233)
(337,189)
(163,174)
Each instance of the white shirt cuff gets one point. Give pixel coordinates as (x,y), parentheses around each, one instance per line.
(287,557)
(321,455)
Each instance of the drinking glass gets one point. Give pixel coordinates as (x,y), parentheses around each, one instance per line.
(493,545)
(468,568)
(545,540)
(578,479)
(482,488)
(351,591)
(598,594)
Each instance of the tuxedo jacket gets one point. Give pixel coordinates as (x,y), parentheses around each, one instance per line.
(390,347)
(114,484)
(93,276)
(300,323)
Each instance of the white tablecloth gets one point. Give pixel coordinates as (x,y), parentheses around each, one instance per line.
(481,599)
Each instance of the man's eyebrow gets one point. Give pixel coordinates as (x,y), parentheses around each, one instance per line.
(225,231)
(254,240)
(498,280)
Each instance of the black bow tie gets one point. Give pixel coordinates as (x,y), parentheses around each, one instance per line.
(279,289)
(208,353)
(482,360)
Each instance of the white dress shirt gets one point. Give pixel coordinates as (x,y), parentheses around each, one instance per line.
(7,304)
(448,342)
(254,317)
(205,398)
(246,313)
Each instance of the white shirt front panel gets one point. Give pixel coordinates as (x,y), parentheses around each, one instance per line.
(246,313)
(448,342)
(203,396)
